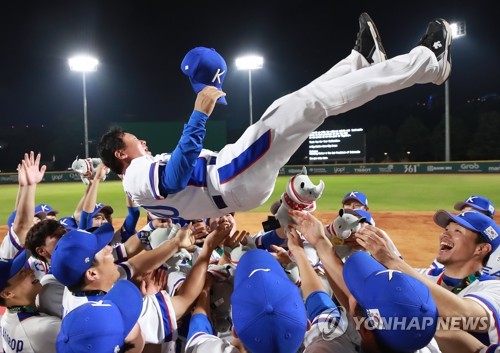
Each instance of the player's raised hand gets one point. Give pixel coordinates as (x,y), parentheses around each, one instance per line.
(281,255)
(309,226)
(217,236)
(34,173)
(101,171)
(185,236)
(294,241)
(377,243)
(206,99)
(234,240)
(21,175)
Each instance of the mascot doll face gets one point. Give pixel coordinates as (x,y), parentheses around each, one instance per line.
(301,194)
(346,224)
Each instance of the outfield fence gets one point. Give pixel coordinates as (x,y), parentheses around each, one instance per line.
(469,167)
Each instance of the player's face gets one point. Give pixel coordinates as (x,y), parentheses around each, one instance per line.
(226,220)
(354,205)
(24,284)
(98,220)
(50,244)
(134,147)
(106,267)
(456,245)
(52,216)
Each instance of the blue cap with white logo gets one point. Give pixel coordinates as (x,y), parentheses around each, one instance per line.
(479,203)
(102,326)
(472,220)
(75,252)
(356,196)
(44,208)
(399,307)
(205,67)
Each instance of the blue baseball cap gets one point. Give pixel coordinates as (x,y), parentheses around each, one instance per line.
(44,208)
(400,308)
(480,203)
(75,252)
(357,196)
(205,67)
(10,267)
(268,312)
(101,327)
(68,222)
(99,207)
(361,213)
(472,220)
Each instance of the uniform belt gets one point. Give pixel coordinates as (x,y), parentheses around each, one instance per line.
(218,200)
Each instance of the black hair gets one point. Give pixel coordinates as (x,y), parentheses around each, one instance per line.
(480,239)
(109,143)
(37,235)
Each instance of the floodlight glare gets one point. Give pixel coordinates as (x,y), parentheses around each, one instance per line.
(83,63)
(250,62)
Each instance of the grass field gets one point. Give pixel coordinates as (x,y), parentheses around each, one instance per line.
(385,192)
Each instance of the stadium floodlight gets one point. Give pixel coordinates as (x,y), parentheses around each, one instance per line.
(458,29)
(84,64)
(250,62)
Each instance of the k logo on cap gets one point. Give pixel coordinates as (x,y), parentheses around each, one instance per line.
(205,67)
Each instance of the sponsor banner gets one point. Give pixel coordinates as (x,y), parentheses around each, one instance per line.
(51,177)
(471,167)
(397,168)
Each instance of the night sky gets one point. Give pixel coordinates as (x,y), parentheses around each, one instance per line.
(140,45)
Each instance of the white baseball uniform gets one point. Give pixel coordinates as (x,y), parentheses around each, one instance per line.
(11,245)
(29,332)
(71,301)
(485,291)
(242,175)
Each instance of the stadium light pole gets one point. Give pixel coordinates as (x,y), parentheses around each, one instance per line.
(84,64)
(250,62)
(458,30)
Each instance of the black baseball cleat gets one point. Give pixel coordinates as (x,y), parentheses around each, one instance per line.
(368,42)
(438,39)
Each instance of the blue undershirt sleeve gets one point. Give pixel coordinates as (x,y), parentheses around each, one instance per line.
(270,238)
(199,323)
(175,175)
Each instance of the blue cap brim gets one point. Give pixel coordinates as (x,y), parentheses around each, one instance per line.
(104,234)
(17,263)
(442,218)
(197,87)
(357,268)
(128,299)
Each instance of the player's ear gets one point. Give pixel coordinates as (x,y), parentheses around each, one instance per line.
(91,274)
(41,251)
(6,294)
(120,154)
(483,249)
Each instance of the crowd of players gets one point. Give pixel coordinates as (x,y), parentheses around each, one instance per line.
(80,284)
(74,284)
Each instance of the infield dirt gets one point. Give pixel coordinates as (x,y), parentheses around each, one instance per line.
(414,233)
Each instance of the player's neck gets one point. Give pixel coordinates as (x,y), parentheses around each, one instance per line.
(20,302)
(461,270)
